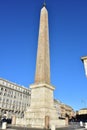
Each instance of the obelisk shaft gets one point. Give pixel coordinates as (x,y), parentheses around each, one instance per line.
(43,57)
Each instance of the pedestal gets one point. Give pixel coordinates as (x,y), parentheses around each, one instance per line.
(42,106)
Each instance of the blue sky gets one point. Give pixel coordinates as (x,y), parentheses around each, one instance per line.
(19,25)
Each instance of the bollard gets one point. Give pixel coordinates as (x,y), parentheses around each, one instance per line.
(81,123)
(4,125)
(52,127)
(86,125)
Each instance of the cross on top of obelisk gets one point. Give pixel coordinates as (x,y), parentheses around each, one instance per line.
(44,4)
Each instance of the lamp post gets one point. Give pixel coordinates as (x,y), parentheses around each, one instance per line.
(84,60)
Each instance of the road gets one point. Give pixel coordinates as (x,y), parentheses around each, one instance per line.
(73,126)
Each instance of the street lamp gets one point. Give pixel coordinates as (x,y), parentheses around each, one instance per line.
(84,60)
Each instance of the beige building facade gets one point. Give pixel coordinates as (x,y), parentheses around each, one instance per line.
(63,110)
(82,111)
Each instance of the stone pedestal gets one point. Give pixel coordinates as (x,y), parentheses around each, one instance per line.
(42,105)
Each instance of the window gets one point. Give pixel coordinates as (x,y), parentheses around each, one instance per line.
(0,93)
(5,89)
(2,88)
(0,99)
(7,100)
(4,94)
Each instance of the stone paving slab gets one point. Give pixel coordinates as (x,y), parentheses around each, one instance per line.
(22,128)
(25,128)
(46,129)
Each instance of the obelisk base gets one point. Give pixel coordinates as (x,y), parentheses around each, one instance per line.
(42,110)
(40,118)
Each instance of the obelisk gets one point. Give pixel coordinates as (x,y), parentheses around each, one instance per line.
(43,56)
(41,111)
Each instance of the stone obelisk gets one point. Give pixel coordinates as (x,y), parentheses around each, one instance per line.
(43,56)
(41,111)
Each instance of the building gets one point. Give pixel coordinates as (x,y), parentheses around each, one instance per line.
(57,105)
(63,110)
(82,111)
(69,112)
(14,99)
(81,115)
